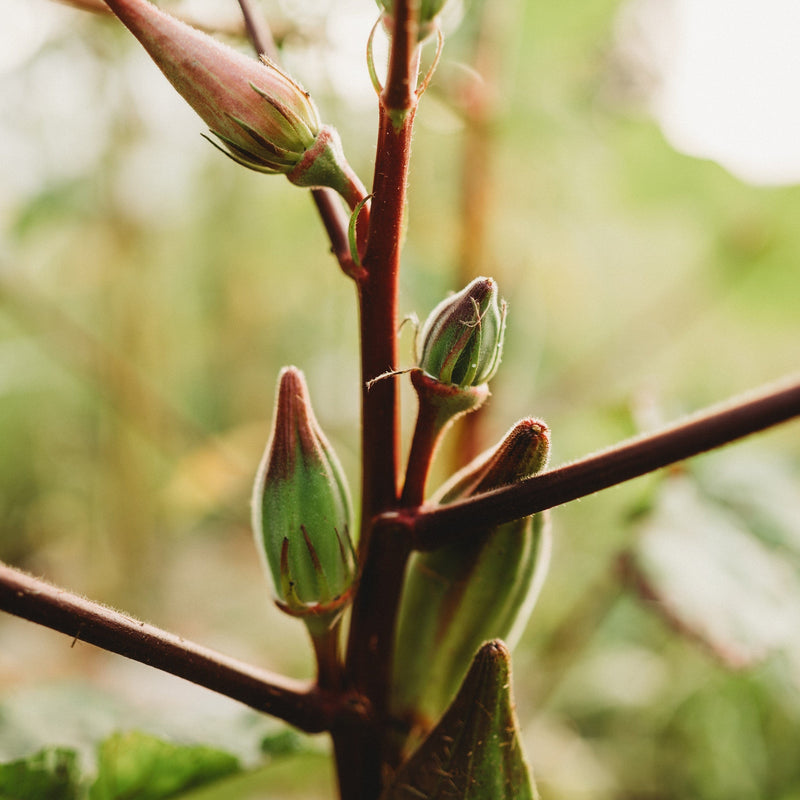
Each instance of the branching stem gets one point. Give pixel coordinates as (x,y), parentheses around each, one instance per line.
(706,430)
(300,704)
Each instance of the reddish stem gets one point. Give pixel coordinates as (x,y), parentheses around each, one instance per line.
(360,756)
(431,422)
(714,427)
(303,705)
(379,448)
(439,405)
(258,31)
(399,95)
(379,322)
(335,220)
(326,653)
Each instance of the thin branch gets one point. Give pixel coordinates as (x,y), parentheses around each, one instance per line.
(298,703)
(258,31)
(327,202)
(427,432)
(335,221)
(436,526)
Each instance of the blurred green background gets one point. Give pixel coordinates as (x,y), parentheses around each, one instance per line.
(150,291)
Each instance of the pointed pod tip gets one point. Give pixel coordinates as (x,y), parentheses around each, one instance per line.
(495,649)
(481,286)
(292,396)
(476,744)
(523,452)
(493,658)
(291,373)
(530,428)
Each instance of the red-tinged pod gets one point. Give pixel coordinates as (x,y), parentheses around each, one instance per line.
(302,513)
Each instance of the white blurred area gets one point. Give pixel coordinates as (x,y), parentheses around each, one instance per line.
(63,107)
(724,79)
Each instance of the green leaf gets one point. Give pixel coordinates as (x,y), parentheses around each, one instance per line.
(50,774)
(474,752)
(716,575)
(301,776)
(284,743)
(137,765)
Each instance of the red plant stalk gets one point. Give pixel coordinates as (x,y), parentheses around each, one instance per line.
(367,669)
(711,428)
(304,705)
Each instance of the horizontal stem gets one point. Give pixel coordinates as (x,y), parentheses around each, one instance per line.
(436,526)
(300,704)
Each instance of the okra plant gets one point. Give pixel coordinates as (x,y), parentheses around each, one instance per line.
(412,597)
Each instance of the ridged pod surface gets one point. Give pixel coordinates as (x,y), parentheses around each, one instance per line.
(479,588)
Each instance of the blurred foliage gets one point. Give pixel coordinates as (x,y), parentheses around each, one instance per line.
(137,765)
(133,764)
(49,773)
(150,291)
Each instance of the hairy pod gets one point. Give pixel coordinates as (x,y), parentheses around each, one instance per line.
(302,512)
(481,587)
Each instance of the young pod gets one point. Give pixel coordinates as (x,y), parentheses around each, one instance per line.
(462,338)
(263,118)
(462,342)
(480,587)
(302,512)
(474,752)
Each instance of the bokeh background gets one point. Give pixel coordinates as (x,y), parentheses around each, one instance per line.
(627,171)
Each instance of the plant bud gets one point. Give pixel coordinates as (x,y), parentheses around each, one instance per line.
(427,22)
(475,752)
(479,588)
(264,119)
(462,339)
(302,512)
